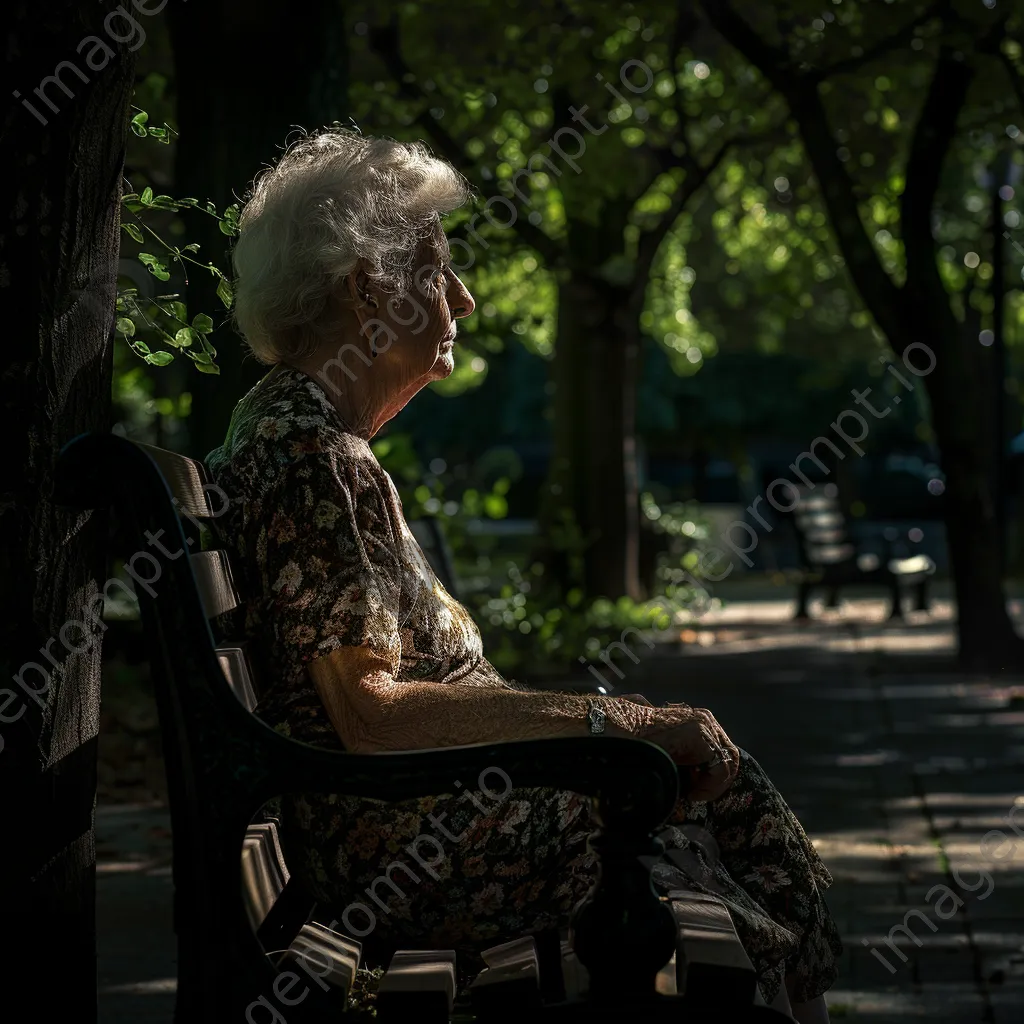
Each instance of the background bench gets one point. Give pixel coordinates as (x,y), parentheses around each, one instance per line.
(833,559)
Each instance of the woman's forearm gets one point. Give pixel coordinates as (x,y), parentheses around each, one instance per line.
(373,712)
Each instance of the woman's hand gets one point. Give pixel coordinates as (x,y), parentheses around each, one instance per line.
(695,741)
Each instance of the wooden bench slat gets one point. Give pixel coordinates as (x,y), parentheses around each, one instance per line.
(262,876)
(509,985)
(215,582)
(235,663)
(267,834)
(326,955)
(418,985)
(513,952)
(185,477)
(711,963)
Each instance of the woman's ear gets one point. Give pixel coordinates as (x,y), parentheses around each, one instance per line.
(355,285)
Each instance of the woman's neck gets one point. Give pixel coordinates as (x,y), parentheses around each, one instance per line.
(361,402)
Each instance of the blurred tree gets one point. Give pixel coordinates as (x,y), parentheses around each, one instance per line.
(895,202)
(580,127)
(62,146)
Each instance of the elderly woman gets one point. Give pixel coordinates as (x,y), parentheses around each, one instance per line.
(345,288)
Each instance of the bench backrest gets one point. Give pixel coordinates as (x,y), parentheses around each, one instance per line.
(190,489)
(223,764)
(821,529)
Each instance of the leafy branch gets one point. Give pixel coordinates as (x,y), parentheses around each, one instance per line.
(164,318)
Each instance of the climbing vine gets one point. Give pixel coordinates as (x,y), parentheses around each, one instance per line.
(156,327)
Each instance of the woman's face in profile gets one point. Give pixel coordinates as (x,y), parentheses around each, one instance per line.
(421,324)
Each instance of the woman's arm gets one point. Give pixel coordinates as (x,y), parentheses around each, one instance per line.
(372,711)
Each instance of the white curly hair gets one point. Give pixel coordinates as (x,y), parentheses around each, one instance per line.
(336,200)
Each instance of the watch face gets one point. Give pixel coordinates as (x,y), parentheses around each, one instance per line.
(597,717)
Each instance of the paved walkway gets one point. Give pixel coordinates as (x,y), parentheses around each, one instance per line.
(897,766)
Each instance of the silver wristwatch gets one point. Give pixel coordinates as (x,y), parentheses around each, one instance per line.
(596,719)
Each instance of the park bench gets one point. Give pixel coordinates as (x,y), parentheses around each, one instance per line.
(251,945)
(832,559)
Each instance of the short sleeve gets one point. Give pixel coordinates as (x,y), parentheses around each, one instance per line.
(328,560)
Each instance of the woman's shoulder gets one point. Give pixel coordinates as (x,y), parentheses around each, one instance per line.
(285,425)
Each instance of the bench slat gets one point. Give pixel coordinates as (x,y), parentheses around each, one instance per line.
(235,664)
(509,985)
(215,582)
(264,873)
(417,986)
(185,477)
(324,954)
(712,966)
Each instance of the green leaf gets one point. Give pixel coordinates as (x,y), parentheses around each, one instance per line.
(138,124)
(184,337)
(160,358)
(158,133)
(147,196)
(202,323)
(140,347)
(155,267)
(132,231)
(201,358)
(226,228)
(207,368)
(178,310)
(191,247)
(126,326)
(225,294)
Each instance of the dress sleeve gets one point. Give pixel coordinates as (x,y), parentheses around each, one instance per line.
(328,560)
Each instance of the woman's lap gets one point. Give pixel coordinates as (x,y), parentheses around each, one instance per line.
(749,849)
(472,869)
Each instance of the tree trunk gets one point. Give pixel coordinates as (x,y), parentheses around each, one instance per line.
(593,474)
(918,311)
(964,420)
(58,271)
(246,78)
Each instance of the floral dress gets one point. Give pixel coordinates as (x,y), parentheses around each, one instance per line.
(326,559)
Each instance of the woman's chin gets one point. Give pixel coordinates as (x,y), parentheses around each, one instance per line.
(444,365)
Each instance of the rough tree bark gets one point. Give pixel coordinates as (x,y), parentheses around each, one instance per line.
(916,314)
(247,76)
(58,272)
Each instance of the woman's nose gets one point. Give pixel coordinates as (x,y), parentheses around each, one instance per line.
(460,302)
